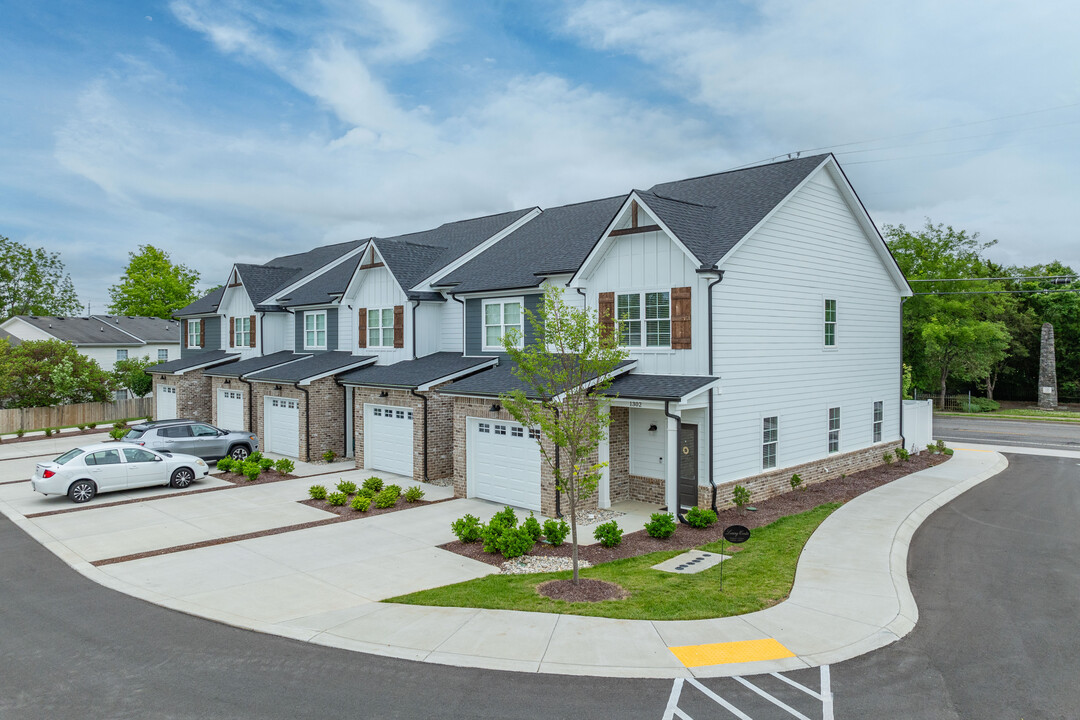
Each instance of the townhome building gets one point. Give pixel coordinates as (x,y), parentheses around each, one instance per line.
(759,309)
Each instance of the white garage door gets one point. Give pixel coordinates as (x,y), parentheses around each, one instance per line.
(165,402)
(282,425)
(388,439)
(504,463)
(230,410)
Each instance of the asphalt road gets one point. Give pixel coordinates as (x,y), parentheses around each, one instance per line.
(1018,433)
(996,574)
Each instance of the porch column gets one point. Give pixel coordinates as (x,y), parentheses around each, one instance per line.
(604,456)
(671,466)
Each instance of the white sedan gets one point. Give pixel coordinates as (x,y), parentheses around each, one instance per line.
(84,472)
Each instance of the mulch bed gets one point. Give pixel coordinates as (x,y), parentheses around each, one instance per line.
(265,477)
(348,513)
(59,433)
(587,590)
(685,537)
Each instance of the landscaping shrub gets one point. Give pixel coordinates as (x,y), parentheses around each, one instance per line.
(337,499)
(515,542)
(117,433)
(388,496)
(609,534)
(532,526)
(505,517)
(361,503)
(366,492)
(346,486)
(251,471)
(225,464)
(48,432)
(491,536)
(555,531)
(413,494)
(284,466)
(81,427)
(977,405)
(119,425)
(903,454)
(20,432)
(740,496)
(266,463)
(796,481)
(948,451)
(700,517)
(467,529)
(887,457)
(89,425)
(373,484)
(939,446)
(329,456)
(254,457)
(317,492)
(660,525)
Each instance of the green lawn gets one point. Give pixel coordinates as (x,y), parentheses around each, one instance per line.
(1055,415)
(756,577)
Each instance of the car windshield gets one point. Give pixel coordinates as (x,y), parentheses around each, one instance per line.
(134,434)
(68,456)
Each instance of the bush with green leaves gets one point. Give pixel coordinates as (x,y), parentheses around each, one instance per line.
(660,525)
(266,463)
(491,536)
(48,432)
(346,486)
(796,481)
(329,456)
(700,517)
(887,457)
(413,494)
(91,425)
(254,457)
(119,425)
(361,503)
(948,451)
(555,531)
(515,542)
(466,529)
(609,534)
(225,464)
(20,432)
(532,525)
(388,496)
(117,433)
(903,454)
(939,446)
(284,466)
(81,427)
(337,499)
(740,496)
(367,492)
(978,405)
(317,492)
(374,484)
(505,517)
(251,471)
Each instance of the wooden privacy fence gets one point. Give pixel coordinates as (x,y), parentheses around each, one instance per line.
(38,418)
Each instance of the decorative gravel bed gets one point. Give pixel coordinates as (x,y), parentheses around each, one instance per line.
(595,517)
(840,489)
(527,564)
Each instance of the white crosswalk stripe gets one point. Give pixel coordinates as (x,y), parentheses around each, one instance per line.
(821,700)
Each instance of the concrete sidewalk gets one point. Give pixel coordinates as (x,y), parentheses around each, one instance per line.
(850,596)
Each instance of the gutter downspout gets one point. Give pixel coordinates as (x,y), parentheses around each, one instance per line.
(712,435)
(415,305)
(464,345)
(307,419)
(251,403)
(678,434)
(413,392)
(903,441)
(558,499)
(345,424)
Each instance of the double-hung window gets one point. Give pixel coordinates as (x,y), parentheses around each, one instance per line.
(769,436)
(163,354)
(121,354)
(644,319)
(242,331)
(500,318)
(834,430)
(194,333)
(830,323)
(879,419)
(380,327)
(315,330)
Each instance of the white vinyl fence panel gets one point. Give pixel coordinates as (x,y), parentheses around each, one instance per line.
(918,424)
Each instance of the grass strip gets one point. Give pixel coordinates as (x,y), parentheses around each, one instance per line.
(1066,416)
(756,577)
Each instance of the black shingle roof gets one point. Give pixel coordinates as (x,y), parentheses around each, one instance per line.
(147,329)
(501,379)
(412,374)
(640,386)
(310,367)
(255,364)
(12,340)
(208,303)
(82,330)
(212,358)
(324,288)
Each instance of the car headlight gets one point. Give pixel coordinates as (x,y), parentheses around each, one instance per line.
(200,462)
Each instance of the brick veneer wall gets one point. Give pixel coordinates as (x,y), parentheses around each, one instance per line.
(217,383)
(619,454)
(193,395)
(648,490)
(776,482)
(480,407)
(327,428)
(440,428)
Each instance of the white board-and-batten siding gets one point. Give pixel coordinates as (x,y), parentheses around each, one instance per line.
(235,303)
(277,332)
(377,288)
(768,326)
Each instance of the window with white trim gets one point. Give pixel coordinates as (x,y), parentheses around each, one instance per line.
(380,327)
(163,355)
(242,331)
(194,333)
(500,318)
(121,354)
(644,319)
(770,433)
(834,430)
(830,323)
(315,330)
(879,419)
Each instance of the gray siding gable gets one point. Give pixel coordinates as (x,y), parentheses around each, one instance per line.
(474,324)
(213,337)
(331,330)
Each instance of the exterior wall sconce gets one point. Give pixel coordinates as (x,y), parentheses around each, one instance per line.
(495,407)
(162,377)
(226,381)
(384,394)
(652,428)
(277,387)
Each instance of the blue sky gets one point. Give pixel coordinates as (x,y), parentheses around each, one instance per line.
(229,131)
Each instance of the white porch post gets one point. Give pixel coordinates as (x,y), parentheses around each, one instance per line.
(604,455)
(671,466)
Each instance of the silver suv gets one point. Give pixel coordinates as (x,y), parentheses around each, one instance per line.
(193,438)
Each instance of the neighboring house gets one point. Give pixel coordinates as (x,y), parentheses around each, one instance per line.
(104,338)
(759,309)
(12,340)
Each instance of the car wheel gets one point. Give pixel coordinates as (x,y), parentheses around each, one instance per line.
(182,478)
(239,453)
(82,491)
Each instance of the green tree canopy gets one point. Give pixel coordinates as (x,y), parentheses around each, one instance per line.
(131,375)
(152,285)
(33,282)
(38,373)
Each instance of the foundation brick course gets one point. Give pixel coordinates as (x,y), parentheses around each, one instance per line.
(193,396)
(440,430)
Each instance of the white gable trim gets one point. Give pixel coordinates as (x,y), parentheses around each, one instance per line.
(359,275)
(597,253)
(429,282)
(317,273)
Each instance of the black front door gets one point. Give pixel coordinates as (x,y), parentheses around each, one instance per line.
(688,465)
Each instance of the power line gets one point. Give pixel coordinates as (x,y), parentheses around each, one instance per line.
(998,292)
(1015,278)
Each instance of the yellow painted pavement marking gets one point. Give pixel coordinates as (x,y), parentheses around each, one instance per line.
(730,652)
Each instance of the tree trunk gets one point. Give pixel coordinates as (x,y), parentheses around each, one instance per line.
(991,380)
(944,379)
(573,529)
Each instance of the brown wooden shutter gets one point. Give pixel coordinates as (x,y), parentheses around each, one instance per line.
(232,332)
(361,329)
(399,326)
(251,326)
(202,333)
(607,316)
(681,326)
(183,333)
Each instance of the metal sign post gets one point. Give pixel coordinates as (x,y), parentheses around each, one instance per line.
(735,534)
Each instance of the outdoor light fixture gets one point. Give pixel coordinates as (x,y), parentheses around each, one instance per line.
(277,387)
(226,381)
(495,407)
(384,394)
(652,428)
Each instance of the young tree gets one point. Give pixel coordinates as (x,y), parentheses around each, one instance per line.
(565,370)
(131,375)
(966,348)
(38,373)
(33,282)
(152,285)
